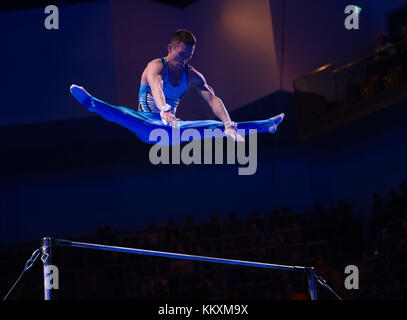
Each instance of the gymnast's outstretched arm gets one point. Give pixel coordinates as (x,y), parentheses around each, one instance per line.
(198,82)
(155,81)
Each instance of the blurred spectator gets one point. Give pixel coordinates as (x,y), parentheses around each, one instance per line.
(151,236)
(276,238)
(403,197)
(172,242)
(378,207)
(133,283)
(403,188)
(402,243)
(191,230)
(214,228)
(253,227)
(323,269)
(385,48)
(255,222)
(395,205)
(402,40)
(172,229)
(92,290)
(180,266)
(292,294)
(296,234)
(104,234)
(233,225)
(163,288)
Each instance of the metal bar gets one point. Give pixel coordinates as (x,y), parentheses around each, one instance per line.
(67,243)
(312,284)
(46,260)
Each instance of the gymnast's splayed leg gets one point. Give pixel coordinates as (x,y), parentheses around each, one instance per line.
(142,123)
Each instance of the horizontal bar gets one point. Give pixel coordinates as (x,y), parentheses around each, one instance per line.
(67,243)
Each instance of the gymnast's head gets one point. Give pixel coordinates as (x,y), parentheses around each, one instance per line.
(181,47)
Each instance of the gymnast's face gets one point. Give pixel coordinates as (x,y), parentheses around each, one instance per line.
(179,54)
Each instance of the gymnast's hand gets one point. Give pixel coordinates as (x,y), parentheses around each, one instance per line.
(231,132)
(169,118)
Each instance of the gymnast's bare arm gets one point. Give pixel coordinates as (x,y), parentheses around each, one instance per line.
(153,75)
(197,81)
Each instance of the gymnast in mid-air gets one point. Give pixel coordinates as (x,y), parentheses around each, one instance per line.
(164,83)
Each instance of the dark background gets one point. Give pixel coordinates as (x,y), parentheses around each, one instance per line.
(66,173)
